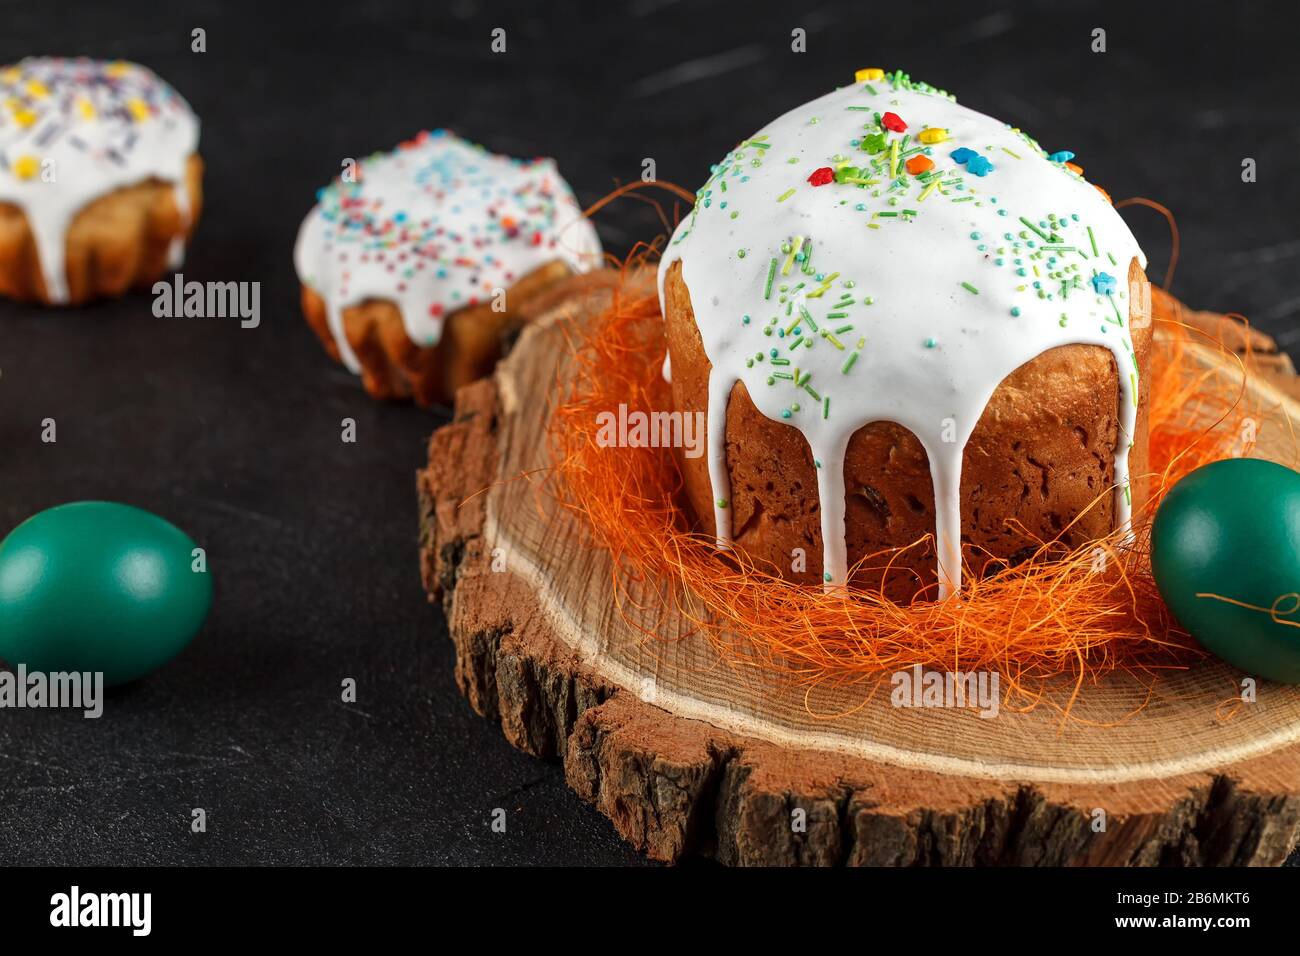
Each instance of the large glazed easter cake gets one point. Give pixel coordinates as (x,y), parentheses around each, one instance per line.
(901,318)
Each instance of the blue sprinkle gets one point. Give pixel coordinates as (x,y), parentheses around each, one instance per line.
(1061,156)
(962,154)
(1104,283)
(978,165)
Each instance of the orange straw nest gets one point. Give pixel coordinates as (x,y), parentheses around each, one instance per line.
(1062,615)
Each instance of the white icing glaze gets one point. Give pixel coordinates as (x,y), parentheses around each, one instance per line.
(97,127)
(890,264)
(435,225)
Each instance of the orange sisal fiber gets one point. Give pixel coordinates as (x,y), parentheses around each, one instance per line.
(1064,617)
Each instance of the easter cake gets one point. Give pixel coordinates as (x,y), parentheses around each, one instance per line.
(417,267)
(919,342)
(100,181)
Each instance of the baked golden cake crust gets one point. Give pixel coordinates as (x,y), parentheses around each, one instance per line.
(1042,453)
(396,369)
(118,242)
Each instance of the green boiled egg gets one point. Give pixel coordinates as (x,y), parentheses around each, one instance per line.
(1225,551)
(98,586)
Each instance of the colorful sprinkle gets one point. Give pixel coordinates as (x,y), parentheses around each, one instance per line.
(27,167)
(919,164)
(822,176)
(1104,283)
(893,122)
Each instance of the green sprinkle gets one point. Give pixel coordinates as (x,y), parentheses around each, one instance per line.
(794,251)
(771,274)
(785,195)
(870,89)
(826,406)
(807,315)
(970,288)
(1042,235)
(1093,240)
(1009,152)
(848,363)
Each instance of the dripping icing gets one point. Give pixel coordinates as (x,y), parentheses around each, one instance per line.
(101,126)
(436,225)
(936,286)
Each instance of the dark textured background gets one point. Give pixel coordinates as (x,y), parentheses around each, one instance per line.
(234,434)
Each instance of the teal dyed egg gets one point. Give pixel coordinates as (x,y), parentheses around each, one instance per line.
(98,586)
(1232,529)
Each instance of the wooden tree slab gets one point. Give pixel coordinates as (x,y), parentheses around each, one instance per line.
(687,755)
